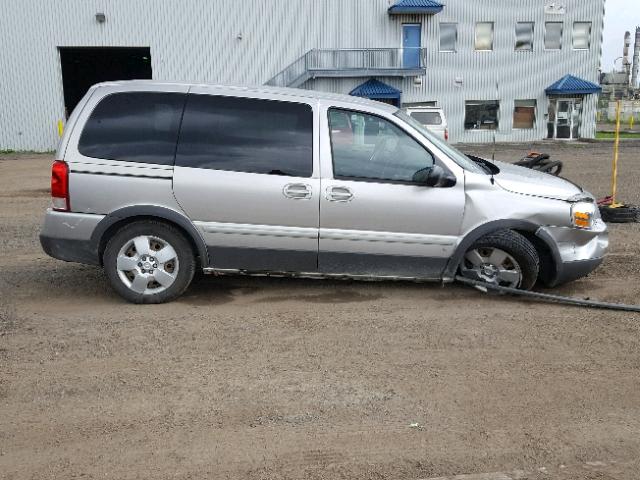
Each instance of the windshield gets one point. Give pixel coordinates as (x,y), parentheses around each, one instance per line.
(455,155)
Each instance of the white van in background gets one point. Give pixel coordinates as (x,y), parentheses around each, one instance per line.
(432,118)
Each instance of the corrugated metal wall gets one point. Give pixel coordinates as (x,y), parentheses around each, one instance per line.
(503,73)
(197,41)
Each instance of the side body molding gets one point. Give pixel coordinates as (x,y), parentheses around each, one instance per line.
(152,211)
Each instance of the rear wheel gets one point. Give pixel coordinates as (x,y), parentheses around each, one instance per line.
(503,258)
(149,262)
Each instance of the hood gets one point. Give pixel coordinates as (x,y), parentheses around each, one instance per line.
(532,182)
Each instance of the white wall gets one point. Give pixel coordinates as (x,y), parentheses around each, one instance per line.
(628,109)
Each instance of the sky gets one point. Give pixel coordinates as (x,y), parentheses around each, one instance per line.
(619,16)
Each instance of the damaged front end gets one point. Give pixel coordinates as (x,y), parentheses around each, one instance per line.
(560,219)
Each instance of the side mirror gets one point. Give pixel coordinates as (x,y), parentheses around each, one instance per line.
(434,176)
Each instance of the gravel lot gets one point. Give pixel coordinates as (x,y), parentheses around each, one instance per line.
(272,378)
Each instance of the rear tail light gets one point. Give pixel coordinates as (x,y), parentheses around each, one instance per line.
(60,186)
(446,134)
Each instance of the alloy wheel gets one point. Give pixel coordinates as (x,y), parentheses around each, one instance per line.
(147,264)
(492,265)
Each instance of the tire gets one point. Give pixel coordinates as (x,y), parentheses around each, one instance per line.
(552,168)
(623,214)
(521,257)
(149,262)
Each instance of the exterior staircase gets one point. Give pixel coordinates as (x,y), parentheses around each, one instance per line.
(352,62)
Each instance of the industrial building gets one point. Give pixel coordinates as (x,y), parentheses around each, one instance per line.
(518,72)
(623,83)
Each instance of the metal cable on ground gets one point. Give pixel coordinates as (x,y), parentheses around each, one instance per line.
(549,296)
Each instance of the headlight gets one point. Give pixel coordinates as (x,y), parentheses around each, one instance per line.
(583,214)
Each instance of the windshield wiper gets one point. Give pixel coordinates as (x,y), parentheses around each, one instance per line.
(487,166)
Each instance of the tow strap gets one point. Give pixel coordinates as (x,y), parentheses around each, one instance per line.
(549,297)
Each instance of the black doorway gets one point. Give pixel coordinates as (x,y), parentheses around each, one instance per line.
(83,67)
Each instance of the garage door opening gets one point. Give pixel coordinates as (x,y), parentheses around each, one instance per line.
(83,67)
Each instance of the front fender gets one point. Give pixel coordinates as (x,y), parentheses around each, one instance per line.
(465,243)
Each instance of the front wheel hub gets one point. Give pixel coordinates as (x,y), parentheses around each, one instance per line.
(491,265)
(489,271)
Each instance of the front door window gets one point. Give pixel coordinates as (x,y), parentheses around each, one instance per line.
(366,147)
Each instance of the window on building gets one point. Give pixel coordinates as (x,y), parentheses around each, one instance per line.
(524,36)
(371,148)
(553,35)
(247,135)
(134,127)
(581,35)
(484,36)
(481,114)
(448,37)
(524,114)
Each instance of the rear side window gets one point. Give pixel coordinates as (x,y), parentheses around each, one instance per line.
(427,118)
(247,135)
(134,127)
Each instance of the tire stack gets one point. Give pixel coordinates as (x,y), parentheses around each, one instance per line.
(541,162)
(620,214)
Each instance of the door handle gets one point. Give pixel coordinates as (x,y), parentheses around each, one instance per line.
(339,194)
(297,191)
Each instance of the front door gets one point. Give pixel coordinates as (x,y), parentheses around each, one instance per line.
(566,115)
(411,43)
(245,176)
(374,219)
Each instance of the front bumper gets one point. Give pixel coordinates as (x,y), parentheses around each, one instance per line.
(69,236)
(569,271)
(576,252)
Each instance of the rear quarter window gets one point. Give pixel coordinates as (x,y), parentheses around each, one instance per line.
(135,127)
(428,118)
(247,135)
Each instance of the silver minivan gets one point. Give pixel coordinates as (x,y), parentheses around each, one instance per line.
(154,181)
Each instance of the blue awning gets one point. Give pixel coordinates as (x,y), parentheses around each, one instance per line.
(375,89)
(570,85)
(428,7)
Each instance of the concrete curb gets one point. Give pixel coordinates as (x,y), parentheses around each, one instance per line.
(609,140)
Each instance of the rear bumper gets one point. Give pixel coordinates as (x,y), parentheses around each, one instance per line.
(68,236)
(79,251)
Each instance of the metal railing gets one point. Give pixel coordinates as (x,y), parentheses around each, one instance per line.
(345,62)
(294,75)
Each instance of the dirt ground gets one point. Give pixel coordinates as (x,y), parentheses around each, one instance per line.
(255,378)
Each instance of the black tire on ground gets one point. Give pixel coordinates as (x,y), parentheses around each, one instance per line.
(521,249)
(182,247)
(624,214)
(554,168)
